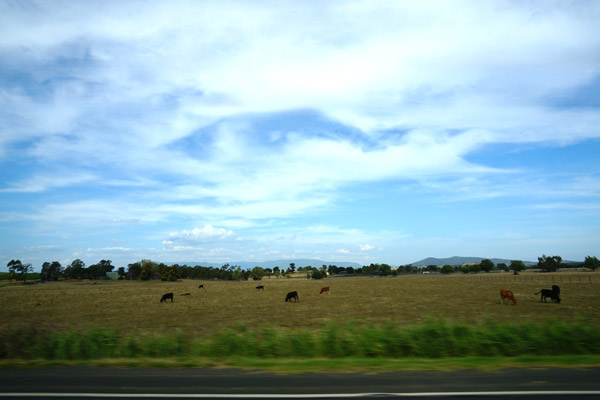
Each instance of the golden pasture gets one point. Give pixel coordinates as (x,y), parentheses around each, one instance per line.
(134,306)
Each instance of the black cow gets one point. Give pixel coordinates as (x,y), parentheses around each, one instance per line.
(166,297)
(261,287)
(201,287)
(554,294)
(292,295)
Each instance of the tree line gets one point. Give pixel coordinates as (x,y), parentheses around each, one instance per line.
(147,269)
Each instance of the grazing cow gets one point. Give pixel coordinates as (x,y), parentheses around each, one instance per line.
(554,294)
(186,294)
(292,295)
(325,290)
(508,295)
(166,297)
(201,287)
(261,287)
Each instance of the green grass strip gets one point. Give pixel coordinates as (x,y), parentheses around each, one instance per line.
(433,339)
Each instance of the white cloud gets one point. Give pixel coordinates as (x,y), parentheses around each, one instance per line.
(157,113)
(366,247)
(408,65)
(206,234)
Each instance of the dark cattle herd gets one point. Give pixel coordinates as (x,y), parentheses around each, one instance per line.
(505,294)
(553,293)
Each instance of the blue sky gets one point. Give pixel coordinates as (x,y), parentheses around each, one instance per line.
(357,131)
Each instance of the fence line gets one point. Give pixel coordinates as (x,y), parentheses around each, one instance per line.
(559,278)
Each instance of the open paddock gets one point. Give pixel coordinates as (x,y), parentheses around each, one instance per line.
(135,307)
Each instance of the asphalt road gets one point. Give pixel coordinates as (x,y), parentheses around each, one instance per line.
(91,382)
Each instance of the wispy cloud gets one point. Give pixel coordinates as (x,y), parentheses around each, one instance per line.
(41,183)
(193,117)
(567,206)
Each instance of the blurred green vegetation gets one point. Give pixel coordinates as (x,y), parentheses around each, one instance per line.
(31,276)
(432,339)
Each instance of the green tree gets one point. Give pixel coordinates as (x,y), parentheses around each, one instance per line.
(591,263)
(371,269)
(121,272)
(146,272)
(99,270)
(549,264)
(447,269)
(486,265)
(385,270)
(75,270)
(150,269)
(318,274)
(257,273)
(334,269)
(134,270)
(502,267)
(13,267)
(238,274)
(16,266)
(292,268)
(168,273)
(432,268)
(45,271)
(517,265)
(51,271)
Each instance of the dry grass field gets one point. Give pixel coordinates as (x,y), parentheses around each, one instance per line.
(134,306)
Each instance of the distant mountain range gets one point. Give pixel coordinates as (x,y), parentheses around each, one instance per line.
(304,262)
(282,264)
(456,260)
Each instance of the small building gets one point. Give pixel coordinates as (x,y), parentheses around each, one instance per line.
(112,275)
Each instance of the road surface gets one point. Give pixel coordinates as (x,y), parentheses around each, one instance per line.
(103,382)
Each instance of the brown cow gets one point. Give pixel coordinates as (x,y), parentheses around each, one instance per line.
(508,295)
(325,290)
(186,294)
